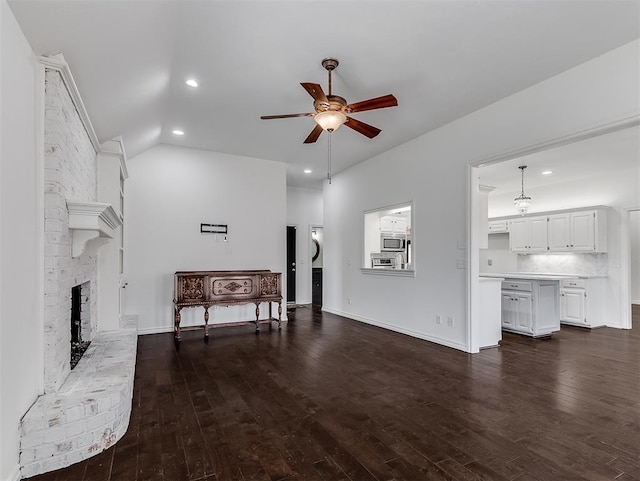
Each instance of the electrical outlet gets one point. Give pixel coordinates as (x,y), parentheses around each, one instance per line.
(490,262)
(461,264)
(438,319)
(460,244)
(450,321)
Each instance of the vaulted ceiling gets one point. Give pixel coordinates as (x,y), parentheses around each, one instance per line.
(442,59)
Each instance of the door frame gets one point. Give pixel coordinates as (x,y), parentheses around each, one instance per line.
(310,271)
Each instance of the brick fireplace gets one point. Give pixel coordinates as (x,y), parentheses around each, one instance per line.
(70,173)
(84,411)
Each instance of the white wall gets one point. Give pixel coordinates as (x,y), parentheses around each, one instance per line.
(20,237)
(432,171)
(169,193)
(304,209)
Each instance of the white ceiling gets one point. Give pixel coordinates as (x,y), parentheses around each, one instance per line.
(442,59)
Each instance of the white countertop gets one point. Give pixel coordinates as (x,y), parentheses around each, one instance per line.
(532,276)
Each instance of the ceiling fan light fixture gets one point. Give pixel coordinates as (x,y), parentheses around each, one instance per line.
(522,202)
(330,120)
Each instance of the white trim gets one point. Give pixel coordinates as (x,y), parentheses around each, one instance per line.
(14,475)
(91,225)
(58,63)
(606,128)
(391,327)
(40,175)
(118,152)
(164,329)
(472,306)
(154,330)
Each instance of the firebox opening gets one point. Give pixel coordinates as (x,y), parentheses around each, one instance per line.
(78,346)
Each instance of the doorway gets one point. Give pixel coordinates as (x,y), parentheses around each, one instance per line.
(316,250)
(605,143)
(291,264)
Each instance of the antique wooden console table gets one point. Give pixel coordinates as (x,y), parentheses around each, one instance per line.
(226,288)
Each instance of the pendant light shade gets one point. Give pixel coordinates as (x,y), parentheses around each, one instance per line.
(330,120)
(522,202)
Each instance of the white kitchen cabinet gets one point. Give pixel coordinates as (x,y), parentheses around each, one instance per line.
(530,307)
(584,236)
(517,311)
(583,231)
(528,234)
(393,225)
(582,302)
(572,306)
(498,227)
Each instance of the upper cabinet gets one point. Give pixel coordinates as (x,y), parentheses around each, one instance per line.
(583,231)
(528,234)
(393,224)
(578,231)
(498,226)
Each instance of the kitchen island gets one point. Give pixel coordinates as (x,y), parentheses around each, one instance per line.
(530,302)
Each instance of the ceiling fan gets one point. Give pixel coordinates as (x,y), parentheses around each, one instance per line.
(331,110)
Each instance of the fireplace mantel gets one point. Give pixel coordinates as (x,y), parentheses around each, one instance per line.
(92,224)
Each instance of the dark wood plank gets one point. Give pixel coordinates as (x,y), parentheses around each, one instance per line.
(329,398)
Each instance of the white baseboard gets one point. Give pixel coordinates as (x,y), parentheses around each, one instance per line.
(154,330)
(163,329)
(391,327)
(15,474)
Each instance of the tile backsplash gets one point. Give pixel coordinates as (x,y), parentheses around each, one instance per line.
(587,264)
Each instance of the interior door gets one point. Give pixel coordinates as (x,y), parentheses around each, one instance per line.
(291,264)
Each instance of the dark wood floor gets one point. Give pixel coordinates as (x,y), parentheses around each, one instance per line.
(332,399)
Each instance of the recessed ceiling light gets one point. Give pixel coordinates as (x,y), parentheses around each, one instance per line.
(307,171)
(547,172)
(178,132)
(192,82)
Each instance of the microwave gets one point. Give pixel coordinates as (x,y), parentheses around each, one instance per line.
(392,244)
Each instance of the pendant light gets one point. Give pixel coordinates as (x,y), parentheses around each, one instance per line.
(522,202)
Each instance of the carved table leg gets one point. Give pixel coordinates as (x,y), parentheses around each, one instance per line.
(206,322)
(176,323)
(257,317)
(279,314)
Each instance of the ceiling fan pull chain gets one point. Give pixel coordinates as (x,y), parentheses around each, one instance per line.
(329,158)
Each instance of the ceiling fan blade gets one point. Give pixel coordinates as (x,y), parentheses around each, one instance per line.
(371,104)
(313,136)
(315,91)
(365,129)
(285,116)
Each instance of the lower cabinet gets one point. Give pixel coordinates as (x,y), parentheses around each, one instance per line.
(530,307)
(517,312)
(582,302)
